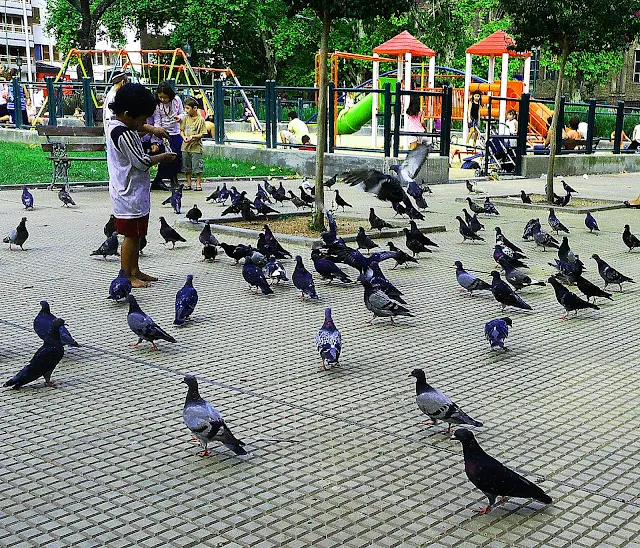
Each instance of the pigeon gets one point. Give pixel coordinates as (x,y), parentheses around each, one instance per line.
(27,198)
(474,223)
(570,301)
(528,229)
(194,214)
(205,422)
(235,252)
(209,252)
(629,239)
(280,195)
(42,326)
(609,274)
(176,199)
(555,223)
(417,234)
(378,280)
(378,302)
(223,194)
(246,212)
(169,234)
(526,198)
(254,276)
(110,226)
(591,223)
(502,240)
(120,287)
(505,295)
(493,478)
(297,201)
(473,189)
(489,208)
(231,209)
(376,222)
(364,241)
(206,237)
(44,361)
(415,246)
(303,280)
(274,270)
(186,301)
(564,251)
(509,256)
(568,272)
(214,195)
(273,245)
(340,202)
(262,208)
(542,238)
(108,247)
(329,342)
(496,331)
(143,326)
(591,290)
(262,194)
(65,198)
(330,182)
(339,252)
(399,209)
(331,235)
(401,257)
(306,198)
(469,282)
(474,207)
(466,232)
(327,269)
(515,277)
(562,201)
(567,188)
(438,406)
(18,236)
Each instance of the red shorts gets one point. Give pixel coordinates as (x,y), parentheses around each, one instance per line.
(133,227)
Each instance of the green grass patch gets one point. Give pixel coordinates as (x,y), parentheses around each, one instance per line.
(27,164)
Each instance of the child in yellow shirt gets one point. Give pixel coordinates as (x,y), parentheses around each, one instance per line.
(192,130)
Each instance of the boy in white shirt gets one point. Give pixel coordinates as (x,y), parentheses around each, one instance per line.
(129,180)
(295,130)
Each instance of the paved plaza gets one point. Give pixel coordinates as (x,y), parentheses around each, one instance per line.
(336,458)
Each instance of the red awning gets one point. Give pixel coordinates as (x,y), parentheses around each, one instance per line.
(404,43)
(496,44)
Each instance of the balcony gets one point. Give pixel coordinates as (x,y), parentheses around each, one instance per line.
(14,34)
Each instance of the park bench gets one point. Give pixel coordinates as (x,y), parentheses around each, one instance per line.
(59,148)
(579,144)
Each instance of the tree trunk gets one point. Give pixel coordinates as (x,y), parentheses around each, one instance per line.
(272,67)
(318,215)
(555,135)
(87,39)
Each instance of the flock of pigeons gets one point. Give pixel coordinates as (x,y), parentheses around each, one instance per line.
(263,269)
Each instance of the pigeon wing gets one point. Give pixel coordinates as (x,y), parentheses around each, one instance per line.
(414,160)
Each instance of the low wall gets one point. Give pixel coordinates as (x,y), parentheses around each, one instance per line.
(579,164)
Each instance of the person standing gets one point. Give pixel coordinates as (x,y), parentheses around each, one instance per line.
(474,117)
(118,79)
(414,121)
(192,131)
(168,115)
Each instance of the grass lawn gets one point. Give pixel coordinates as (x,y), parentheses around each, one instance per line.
(27,164)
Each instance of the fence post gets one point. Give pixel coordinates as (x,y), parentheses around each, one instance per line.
(523,130)
(60,101)
(232,113)
(300,107)
(591,123)
(278,109)
(87,101)
(445,121)
(276,113)
(267,114)
(387,120)
(397,114)
(51,98)
(619,125)
(172,83)
(17,101)
(331,129)
(558,126)
(218,111)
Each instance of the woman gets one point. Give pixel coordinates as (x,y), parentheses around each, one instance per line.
(169,112)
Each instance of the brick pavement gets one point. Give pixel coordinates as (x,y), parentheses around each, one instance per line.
(336,458)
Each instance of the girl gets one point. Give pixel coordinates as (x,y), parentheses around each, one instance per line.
(414,121)
(474,116)
(168,114)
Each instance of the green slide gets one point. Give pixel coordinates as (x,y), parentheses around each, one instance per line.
(351,120)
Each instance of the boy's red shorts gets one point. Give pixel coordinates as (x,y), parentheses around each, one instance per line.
(133,227)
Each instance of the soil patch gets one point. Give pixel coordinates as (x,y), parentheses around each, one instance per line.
(299,225)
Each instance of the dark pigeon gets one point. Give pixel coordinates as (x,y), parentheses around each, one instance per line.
(18,236)
(376,222)
(570,301)
(27,198)
(273,245)
(235,252)
(297,201)
(262,194)
(340,201)
(590,222)
(401,257)
(364,241)
(496,332)
(120,287)
(515,277)
(108,247)
(262,208)
(331,235)
(223,195)
(206,237)
(526,198)
(555,223)
(186,301)
(542,238)
(528,229)
(568,272)
(493,478)
(609,274)
(466,232)
(274,270)
(43,322)
(44,361)
(399,209)
(567,188)
(254,276)
(65,198)
(378,281)
(303,280)
(378,302)
(629,239)
(169,234)
(438,406)
(502,240)
(176,199)
(415,246)
(591,290)
(214,195)
(417,234)
(329,342)
(505,295)
(110,226)
(306,198)
(194,214)
(205,422)
(143,326)
(209,252)
(246,212)
(469,282)
(473,206)
(489,208)
(327,269)
(507,255)
(280,194)
(564,251)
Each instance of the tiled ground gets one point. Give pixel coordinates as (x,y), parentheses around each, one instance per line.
(336,458)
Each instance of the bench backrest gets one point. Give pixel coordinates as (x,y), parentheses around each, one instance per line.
(70,131)
(75,147)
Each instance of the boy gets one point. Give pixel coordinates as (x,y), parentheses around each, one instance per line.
(295,130)
(192,130)
(306,143)
(129,181)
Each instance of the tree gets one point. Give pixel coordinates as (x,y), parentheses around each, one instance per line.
(565,27)
(328,11)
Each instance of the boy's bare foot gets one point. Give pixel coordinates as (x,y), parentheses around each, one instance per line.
(146,277)
(135,282)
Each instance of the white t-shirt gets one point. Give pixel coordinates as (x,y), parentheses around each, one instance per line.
(107,113)
(129,180)
(298,128)
(636,133)
(583,127)
(511,126)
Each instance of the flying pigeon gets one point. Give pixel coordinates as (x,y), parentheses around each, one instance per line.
(194,214)
(493,478)
(376,222)
(591,290)
(254,276)
(590,222)
(303,280)
(108,247)
(526,198)
(364,240)
(206,237)
(329,342)
(629,239)
(18,236)
(378,302)
(169,234)
(466,232)
(143,326)
(205,422)
(609,274)
(496,331)
(110,226)
(27,198)
(468,281)
(438,406)
(120,287)
(489,208)
(65,198)
(505,295)
(274,270)
(44,361)
(186,301)
(43,322)
(555,223)
(570,301)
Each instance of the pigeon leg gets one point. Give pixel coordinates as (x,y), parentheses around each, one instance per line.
(135,344)
(447,431)
(428,423)
(50,383)
(482,511)
(204,453)
(392,322)
(371,320)
(173,246)
(502,500)
(564,317)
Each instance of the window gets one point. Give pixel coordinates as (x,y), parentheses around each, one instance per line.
(636,68)
(35,15)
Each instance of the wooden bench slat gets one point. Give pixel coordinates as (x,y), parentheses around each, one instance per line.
(70,131)
(77,147)
(77,158)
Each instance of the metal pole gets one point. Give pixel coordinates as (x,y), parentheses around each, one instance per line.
(559,127)
(267,113)
(387,120)
(591,122)
(523,128)
(88,103)
(17,101)
(51,102)
(331,118)
(397,115)
(619,125)
(25,23)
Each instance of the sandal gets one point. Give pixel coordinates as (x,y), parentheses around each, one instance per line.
(187,188)
(198,189)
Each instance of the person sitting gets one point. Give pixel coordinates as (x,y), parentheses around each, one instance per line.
(248,115)
(572,133)
(623,139)
(295,129)
(635,139)
(306,143)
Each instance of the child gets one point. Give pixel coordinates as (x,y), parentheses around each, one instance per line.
(168,114)
(192,130)
(306,143)
(414,121)
(474,117)
(129,181)
(512,122)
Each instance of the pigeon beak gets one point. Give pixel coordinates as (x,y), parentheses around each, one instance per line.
(452,437)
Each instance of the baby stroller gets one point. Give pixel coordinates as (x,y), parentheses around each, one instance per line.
(499,155)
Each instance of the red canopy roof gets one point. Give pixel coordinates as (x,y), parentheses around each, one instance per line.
(496,44)
(404,43)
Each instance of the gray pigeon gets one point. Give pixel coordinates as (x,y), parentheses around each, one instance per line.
(169,234)
(18,236)
(205,422)
(469,282)
(437,406)
(65,198)
(143,326)
(609,274)
(380,303)
(108,247)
